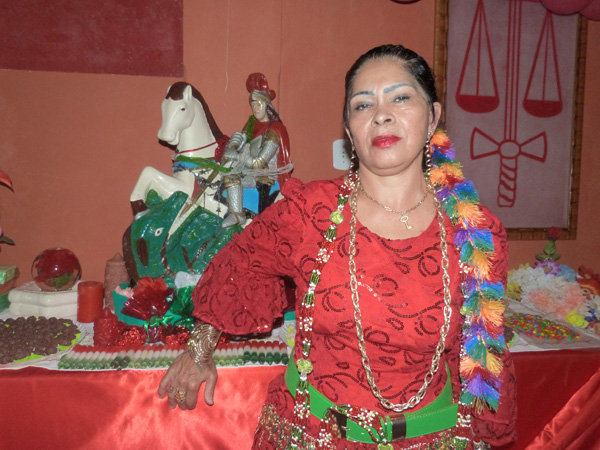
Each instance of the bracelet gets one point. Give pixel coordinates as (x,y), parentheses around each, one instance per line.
(202,342)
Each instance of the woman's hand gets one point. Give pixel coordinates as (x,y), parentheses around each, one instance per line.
(182,382)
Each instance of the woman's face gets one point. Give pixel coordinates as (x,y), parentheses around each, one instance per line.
(389,118)
(259,106)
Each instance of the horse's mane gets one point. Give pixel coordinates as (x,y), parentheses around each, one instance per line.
(176,93)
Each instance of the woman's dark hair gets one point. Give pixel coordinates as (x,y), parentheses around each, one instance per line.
(415,64)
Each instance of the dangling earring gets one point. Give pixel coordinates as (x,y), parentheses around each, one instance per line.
(427,153)
(353,160)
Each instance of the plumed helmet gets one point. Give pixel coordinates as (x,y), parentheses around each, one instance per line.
(258,82)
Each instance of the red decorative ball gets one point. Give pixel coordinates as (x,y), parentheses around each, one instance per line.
(132,336)
(56,269)
(565,7)
(592,12)
(173,335)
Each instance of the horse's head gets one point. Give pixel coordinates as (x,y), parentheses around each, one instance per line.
(177,115)
(186,119)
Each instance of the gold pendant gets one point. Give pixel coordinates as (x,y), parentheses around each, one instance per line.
(404,220)
(385,447)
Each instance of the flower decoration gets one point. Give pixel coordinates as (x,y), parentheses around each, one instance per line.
(550,267)
(558,299)
(162,313)
(109,330)
(149,299)
(574,318)
(558,292)
(549,253)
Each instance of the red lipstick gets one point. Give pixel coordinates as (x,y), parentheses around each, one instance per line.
(385,140)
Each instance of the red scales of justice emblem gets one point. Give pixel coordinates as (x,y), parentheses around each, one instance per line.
(542,97)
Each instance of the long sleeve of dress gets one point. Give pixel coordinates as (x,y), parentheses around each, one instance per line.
(242,289)
(499,427)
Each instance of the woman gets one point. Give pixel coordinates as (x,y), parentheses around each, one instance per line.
(381,263)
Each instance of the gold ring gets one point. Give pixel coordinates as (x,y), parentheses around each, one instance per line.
(179,396)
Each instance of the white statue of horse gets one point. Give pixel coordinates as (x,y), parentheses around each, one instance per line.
(188,126)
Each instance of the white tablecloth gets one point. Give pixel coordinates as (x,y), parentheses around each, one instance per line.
(521,344)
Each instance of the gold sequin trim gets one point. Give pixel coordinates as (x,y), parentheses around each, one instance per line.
(277,430)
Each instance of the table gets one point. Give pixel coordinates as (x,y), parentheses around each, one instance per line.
(546,382)
(45,408)
(120,409)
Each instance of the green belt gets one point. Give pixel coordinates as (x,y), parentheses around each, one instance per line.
(438,415)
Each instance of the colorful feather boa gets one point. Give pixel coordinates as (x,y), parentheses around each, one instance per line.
(483,309)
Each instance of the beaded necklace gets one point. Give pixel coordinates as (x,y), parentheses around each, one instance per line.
(482,334)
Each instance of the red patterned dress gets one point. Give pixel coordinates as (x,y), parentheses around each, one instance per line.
(401,300)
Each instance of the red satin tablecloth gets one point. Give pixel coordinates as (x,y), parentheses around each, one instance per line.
(558,400)
(120,410)
(50,409)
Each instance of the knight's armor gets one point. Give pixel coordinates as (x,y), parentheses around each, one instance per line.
(256,164)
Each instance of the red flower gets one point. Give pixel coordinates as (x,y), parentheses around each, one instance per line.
(554,232)
(149,299)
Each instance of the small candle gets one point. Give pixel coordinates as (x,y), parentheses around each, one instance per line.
(90,300)
(115,273)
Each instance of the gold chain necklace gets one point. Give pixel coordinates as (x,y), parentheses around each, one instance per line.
(403,214)
(435,362)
